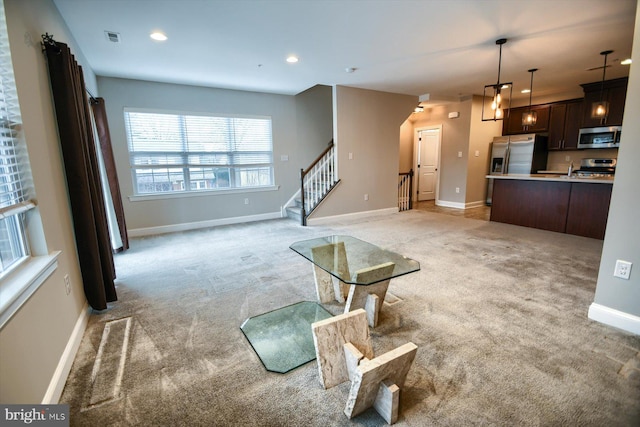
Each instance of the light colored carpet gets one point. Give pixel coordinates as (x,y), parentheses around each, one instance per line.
(498,312)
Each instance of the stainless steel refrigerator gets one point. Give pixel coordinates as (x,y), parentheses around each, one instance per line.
(516,154)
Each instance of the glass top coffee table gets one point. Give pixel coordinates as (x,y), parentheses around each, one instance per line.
(344,257)
(282,338)
(353,271)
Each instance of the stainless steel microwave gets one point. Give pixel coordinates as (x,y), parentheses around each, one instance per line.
(602,137)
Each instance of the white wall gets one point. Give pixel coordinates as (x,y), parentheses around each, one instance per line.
(617,301)
(300,140)
(366,124)
(34,340)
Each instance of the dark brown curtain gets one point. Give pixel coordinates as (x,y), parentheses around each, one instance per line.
(100,116)
(83,175)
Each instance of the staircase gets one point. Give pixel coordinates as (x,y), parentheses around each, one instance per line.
(295,212)
(405,191)
(316,182)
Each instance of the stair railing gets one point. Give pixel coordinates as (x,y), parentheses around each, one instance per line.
(405,193)
(317,181)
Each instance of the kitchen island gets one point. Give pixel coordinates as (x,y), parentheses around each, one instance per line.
(561,203)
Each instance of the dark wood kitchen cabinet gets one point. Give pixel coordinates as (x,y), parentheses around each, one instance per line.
(531,203)
(513,124)
(615,92)
(588,209)
(565,120)
(579,208)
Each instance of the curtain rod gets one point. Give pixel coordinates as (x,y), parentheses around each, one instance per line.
(47,40)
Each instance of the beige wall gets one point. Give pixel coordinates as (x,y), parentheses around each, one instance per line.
(480,137)
(467,134)
(302,127)
(455,138)
(314,121)
(33,341)
(622,237)
(366,124)
(406,145)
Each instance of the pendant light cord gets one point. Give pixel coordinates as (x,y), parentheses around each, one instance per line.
(531,89)
(499,65)
(604,71)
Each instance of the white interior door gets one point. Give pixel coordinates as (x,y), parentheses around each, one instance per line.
(427,167)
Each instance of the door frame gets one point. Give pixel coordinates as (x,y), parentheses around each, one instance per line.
(416,145)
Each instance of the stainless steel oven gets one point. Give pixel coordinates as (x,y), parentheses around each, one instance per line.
(602,137)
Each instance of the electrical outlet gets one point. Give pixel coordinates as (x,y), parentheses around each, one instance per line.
(67,284)
(366,197)
(567,158)
(457,189)
(623,269)
(246,201)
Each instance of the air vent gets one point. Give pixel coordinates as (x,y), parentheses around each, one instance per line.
(112,36)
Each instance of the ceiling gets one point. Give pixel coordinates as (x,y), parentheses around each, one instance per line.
(444,48)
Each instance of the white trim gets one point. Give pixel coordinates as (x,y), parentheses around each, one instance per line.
(475,204)
(19,285)
(195,193)
(416,157)
(355,215)
(447,204)
(149,231)
(59,378)
(193,113)
(616,318)
(458,205)
(289,202)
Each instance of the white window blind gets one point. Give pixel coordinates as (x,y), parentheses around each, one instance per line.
(176,152)
(15,183)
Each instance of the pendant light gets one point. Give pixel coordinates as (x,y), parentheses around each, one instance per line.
(497,96)
(530,117)
(600,109)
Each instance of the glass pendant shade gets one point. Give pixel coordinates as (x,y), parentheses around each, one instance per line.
(496,98)
(599,109)
(529,118)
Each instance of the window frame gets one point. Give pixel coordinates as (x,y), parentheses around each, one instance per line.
(26,274)
(187,169)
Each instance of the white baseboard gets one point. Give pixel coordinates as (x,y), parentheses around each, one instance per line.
(617,319)
(448,204)
(56,385)
(149,231)
(458,205)
(355,215)
(475,204)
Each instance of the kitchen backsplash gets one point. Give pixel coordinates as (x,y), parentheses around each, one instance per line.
(560,160)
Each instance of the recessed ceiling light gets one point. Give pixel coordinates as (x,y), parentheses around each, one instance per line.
(157,35)
(627,61)
(292,59)
(525,91)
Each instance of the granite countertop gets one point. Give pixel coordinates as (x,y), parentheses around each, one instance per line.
(554,177)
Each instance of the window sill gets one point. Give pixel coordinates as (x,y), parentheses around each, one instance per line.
(186,194)
(18,287)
